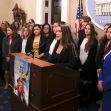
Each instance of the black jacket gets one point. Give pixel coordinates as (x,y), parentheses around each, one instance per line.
(67,58)
(42,44)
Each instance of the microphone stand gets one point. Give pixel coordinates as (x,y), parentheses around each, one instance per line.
(33,54)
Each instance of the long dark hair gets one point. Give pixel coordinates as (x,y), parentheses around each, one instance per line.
(48,26)
(14,34)
(67,39)
(36,25)
(90,41)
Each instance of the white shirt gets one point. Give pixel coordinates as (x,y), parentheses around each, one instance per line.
(24,41)
(83,54)
(52,46)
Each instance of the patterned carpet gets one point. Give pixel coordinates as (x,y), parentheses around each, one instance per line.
(4,99)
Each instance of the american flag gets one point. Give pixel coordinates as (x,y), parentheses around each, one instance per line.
(78,18)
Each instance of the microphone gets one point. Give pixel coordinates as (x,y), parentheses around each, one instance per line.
(31,52)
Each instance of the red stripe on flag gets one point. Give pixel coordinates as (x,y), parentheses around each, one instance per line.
(78,24)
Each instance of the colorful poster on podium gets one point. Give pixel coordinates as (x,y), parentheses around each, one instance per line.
(21,79)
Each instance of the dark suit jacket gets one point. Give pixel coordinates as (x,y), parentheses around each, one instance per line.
(15,46)
(89,67)
(46,57)
(100,53)
(89,74)
(42,44)
(81,36)
(2,35)
(67,58)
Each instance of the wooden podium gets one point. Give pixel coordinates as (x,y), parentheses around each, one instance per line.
(52,88)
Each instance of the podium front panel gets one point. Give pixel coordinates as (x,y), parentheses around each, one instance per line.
(51,86)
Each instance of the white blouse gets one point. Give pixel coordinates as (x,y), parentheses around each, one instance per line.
(52,46)
(24,41)
(83,54)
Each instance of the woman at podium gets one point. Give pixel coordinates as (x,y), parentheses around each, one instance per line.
(65,53)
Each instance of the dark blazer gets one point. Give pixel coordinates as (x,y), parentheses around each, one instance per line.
(15,46)
(89,74)
(81,36)
(89,67)
(100,53)
(67,58)
(49,38)
(2,35)
(42,44)
(46,57)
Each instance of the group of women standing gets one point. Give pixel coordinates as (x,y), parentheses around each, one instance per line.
(54,45)
(95,58)
(57,46)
